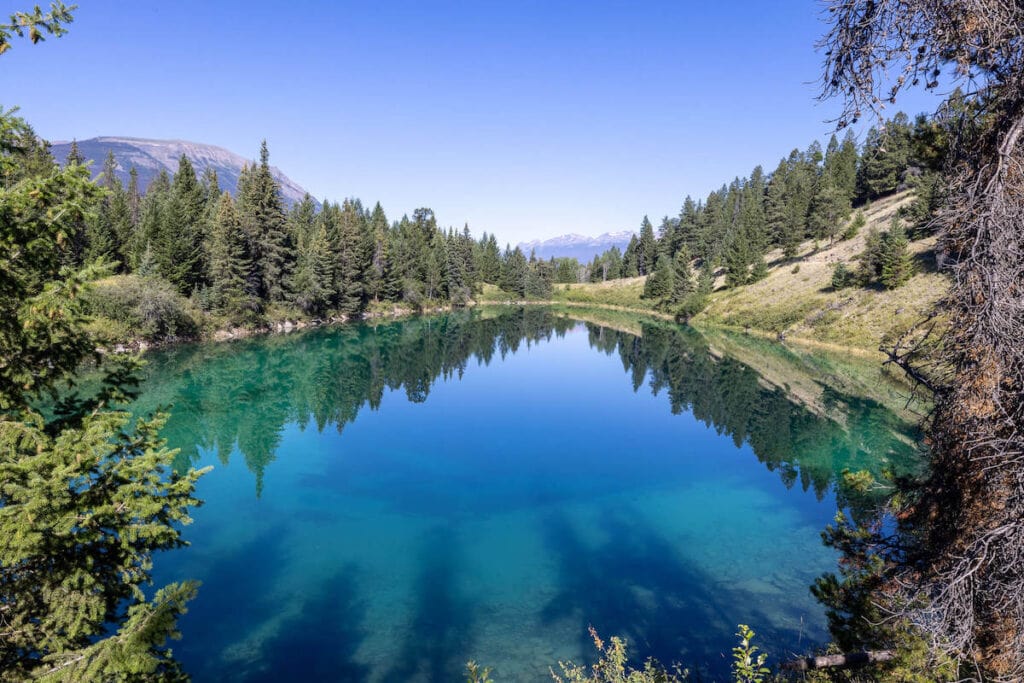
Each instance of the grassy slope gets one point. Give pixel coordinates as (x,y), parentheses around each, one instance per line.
(801,305)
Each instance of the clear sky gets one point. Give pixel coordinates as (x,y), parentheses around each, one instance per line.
(523,118)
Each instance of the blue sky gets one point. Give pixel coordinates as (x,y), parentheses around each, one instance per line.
(525,119)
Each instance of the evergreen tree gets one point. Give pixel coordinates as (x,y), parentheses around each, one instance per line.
(489,259)
(180,249)
(829,210)
(350,261)
(630,259)
(231,264)
(682,277)
(314,274)
(515,271)
(659,284)
(686,232)
(152,210)
(377,228)
(896,264)
(74,155)
(647,249)
(86,492)
(885,157)
(262,217)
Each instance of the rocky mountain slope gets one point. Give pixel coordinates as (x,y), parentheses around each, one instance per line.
(150,156)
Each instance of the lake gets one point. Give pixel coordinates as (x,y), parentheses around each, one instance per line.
(391,500)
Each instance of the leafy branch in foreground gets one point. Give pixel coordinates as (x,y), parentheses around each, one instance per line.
(36,24)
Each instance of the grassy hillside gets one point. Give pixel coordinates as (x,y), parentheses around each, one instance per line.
(796,300)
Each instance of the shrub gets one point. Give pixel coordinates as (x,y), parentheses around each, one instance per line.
(693,304)
(858,222)
(613,667)
(842,276)
(145,308)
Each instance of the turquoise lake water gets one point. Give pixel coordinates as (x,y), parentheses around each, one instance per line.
(390,501)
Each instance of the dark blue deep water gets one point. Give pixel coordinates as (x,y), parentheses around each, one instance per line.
(390,501)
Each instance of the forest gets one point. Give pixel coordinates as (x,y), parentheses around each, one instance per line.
(89,494)
(185,254)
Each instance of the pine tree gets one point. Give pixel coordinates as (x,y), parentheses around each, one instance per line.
(659,283)
(682,277)
(314,275)
(647,248)
(686,232)
(152,208)
(262,216)
(231,264)
(488,259)
(350,261)
(74,155)
(377,226)
(87,493)
(829,210)
(180,248)
(630,259)
(515,271)
(897,265)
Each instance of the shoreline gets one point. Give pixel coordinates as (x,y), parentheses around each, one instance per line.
(229,334)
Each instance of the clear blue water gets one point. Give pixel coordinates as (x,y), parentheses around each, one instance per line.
(391,501)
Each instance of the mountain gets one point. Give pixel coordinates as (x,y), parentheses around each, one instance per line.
(149,156)
(579,247)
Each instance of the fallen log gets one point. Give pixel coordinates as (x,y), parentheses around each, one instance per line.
(839,661)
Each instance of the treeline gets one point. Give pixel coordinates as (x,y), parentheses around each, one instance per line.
(811,194)
(242,256)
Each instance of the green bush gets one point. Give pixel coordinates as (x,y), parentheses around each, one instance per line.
(858,222)
(134,307)
(842,277)
(613,667)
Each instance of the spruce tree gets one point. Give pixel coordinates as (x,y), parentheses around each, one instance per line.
(180,249)
(231,264)
(515,271)
(896,263)
(262,216)
(659,283)
(647,248)
(630,259)
(87,494)
(377,228)
(682,277)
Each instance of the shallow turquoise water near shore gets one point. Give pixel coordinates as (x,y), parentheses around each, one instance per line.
(497,484)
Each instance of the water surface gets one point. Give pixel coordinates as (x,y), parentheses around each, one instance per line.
(389,501)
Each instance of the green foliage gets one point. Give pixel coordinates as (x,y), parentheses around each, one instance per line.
(842,276)
(613,666)
(474,674)
(659,284)
(855,225)
(886,257)
(747,665)
(41,333)
(36,24)
(87,495)
(896,263)
(147,306)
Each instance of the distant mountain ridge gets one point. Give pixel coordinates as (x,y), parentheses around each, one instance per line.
(579,247)
(150,156)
